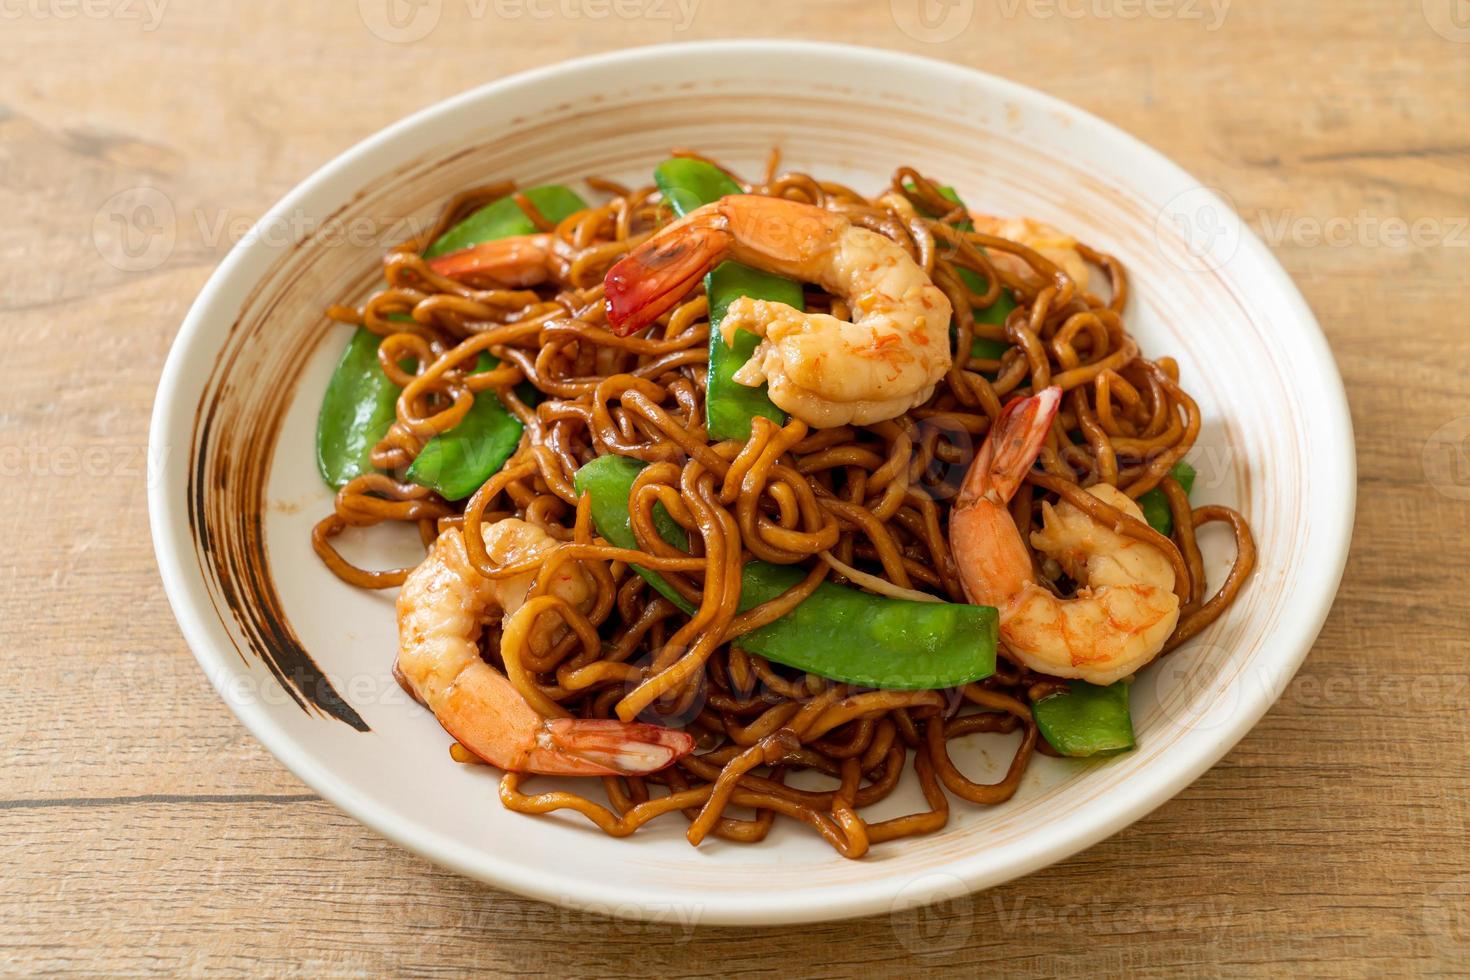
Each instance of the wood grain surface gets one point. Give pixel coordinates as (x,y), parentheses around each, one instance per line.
(142,828)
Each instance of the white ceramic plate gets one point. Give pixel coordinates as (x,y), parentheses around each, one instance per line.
(236,410)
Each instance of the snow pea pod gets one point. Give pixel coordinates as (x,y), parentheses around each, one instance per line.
(504,218)
(360,401)
(1086,720)
(688,184)
(1155,505)
(996,312)
(356,411)
(455,463)
(841,633)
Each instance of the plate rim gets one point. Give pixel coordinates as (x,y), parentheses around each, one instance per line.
(823,903)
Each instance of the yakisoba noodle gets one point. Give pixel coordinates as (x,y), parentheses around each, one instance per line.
(874,500)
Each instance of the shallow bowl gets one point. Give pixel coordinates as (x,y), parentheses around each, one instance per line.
(304,661)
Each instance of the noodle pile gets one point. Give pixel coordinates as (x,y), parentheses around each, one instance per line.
(874,499)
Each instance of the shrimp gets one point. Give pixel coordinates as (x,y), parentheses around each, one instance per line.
(1056,245)
(1125,608)
(515,262)
(822,370)
(440,609)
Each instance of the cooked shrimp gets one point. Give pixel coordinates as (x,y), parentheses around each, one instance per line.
(515,262)
(440,611)
(1056,245)
(822,370)
(1125,608)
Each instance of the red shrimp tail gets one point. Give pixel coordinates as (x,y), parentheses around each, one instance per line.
(650,280)
(611,748)
(1010,450)
(514,263)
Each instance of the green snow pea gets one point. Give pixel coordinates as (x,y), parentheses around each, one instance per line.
(360,401)
(356,411)
(504,218)
(453,464)
(996,312)
(729,407)
(838,632)
(1155,505)
(1085,719)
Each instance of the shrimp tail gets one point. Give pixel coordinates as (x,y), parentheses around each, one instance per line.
(605,747)
(647,282)
(1011,449)
(485,714)
(515,262)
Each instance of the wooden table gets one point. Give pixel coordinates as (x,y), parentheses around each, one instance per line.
(137,811)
